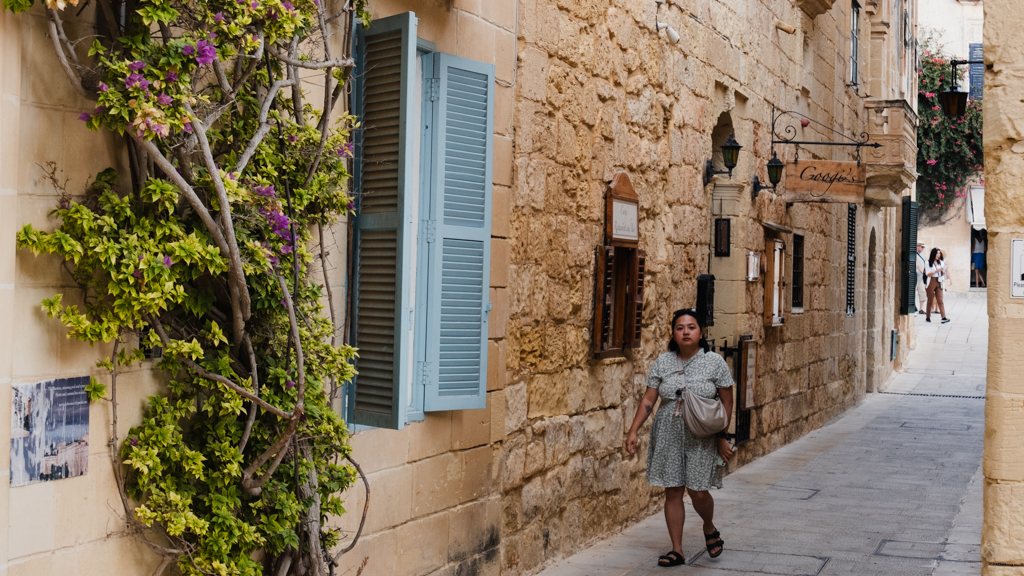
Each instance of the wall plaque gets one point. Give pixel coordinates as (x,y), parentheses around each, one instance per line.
(622,214)
(824,181)
(625,225)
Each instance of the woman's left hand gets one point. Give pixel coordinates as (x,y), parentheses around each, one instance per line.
(724,450)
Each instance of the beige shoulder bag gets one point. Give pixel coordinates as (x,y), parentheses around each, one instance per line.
(702,416)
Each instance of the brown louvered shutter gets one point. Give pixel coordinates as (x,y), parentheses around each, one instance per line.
(382,244)
(604,296)
(635,309)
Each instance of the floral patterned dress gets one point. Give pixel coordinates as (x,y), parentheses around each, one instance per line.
(676,457)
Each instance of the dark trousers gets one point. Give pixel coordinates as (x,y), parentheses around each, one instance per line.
(934,291)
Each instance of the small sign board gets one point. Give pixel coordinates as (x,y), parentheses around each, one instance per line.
(622,213)
(824,181)
(625,225)
(1017,268)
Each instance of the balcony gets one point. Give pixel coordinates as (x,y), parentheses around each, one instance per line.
(892,168)
(815,8)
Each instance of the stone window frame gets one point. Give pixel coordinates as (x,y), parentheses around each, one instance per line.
(855,10)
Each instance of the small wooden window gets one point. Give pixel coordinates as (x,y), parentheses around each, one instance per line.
(774,285)
(619,278)
(797,288)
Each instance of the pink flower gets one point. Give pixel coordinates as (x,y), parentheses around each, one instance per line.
(205,52)
(932,162)
(935,107)
(929,94)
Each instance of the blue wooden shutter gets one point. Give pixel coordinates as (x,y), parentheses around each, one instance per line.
(385,85)
(458,231)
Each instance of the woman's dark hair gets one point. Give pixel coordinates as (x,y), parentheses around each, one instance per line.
(672,345)
(931,257)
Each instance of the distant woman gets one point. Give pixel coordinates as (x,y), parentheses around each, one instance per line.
(676,459)
(936,274)
(978,256)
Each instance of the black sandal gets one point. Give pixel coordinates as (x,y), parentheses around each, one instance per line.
(673,558)
(712,541)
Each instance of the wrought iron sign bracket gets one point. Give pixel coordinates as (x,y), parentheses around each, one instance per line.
(788,135)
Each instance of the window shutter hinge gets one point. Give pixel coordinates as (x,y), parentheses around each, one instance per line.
(424,373)
(431,231)
(435,89)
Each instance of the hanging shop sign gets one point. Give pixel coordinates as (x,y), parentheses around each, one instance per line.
(825,181)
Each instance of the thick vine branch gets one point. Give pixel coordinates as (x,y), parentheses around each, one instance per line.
(366,508)
(299,359)
(56,34)
(345,63)
(264,128)
(153,321)
(253,486)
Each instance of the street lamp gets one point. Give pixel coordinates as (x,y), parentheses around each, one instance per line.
(775,167)
(954,102)
(730,155)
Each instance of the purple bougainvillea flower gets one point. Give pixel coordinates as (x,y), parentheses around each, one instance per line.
(254,5)
(211,35)
(163,99)
(232,176)
(205,52)
(286,249)
(292,137)
(188,50)
(103,87)
(274,15)
(85,116)
(289,384)
(274,260)
(168,262)
(351,205)
(171,77)
(134,441)
(132,80)
(218,17)
(284,303)
(137,273)
(288,5)
(98,110)
(136,66)
(188,127)
(265,191)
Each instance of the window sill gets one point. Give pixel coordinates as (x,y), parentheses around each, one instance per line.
(796,310)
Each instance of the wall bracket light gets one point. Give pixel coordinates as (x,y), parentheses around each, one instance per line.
(775,167)
(730,155)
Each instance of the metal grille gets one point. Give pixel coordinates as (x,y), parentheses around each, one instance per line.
(798,271)
(851,259)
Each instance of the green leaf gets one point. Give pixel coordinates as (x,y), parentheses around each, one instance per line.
(95,390)
(96,48)
(17,6)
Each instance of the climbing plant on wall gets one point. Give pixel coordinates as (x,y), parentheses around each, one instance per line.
(949,149)
(205,248)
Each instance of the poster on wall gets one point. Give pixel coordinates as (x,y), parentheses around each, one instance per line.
(49,430)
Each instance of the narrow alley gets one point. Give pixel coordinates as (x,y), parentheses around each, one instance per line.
(893,486)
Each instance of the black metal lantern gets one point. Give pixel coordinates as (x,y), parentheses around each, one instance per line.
(954,104)
(775,167)
(731,153)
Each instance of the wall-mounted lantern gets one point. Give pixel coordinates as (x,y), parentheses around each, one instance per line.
(775,167)
(753,266)
(954,102)
(730,155)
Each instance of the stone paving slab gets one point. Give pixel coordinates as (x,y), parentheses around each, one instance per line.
(891,487)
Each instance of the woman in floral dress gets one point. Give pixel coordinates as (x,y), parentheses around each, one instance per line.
(676,459)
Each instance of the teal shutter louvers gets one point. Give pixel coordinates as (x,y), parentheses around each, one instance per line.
(459,122)
(384,96)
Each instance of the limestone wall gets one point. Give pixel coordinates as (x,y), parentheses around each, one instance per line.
(540,472)
(1002,536)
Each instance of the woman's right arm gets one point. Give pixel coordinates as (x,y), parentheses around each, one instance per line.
(642,412)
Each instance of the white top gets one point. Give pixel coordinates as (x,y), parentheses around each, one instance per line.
(979,247)
(936,272)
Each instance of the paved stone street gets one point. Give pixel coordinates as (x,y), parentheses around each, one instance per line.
(891,487)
